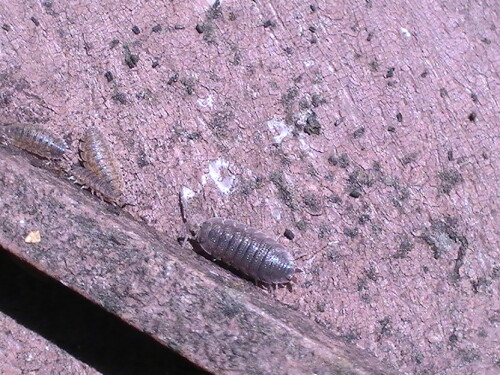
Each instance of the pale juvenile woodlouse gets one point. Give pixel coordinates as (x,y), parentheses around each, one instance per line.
(246,249)
(95,183)
(97,157)
(36,140)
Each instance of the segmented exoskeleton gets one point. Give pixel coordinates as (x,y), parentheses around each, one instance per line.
(96,184)
(97,157)
(247,250)
(35,139)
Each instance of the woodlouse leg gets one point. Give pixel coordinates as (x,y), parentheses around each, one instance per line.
(261,284)
(187,235)
(270,288)
(122,203)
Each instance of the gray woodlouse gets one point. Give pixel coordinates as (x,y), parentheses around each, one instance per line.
(97,157)
(247,250)
(36,140)
(95,183)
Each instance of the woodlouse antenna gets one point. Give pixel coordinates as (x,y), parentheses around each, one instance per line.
(184,195)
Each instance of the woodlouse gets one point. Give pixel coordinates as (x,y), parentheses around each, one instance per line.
(247,250)
(97,157)
(95,183)
(36,140)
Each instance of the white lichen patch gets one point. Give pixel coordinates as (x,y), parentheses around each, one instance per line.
(207,102)
(218,172)
(187,193)
(279,129)
(405,32)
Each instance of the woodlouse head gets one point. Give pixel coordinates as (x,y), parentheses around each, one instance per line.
(280,268)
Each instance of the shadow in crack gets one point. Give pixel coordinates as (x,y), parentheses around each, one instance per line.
(80,327)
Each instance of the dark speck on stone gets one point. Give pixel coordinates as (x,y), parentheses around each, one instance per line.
(6,27)
(391,129)
(173,79)
(358,133)
(390,73)
(269,23)
(156,29)
(109,76)
(351,232)
(35,21)
(289,234)
(136,30)
(132,60)
(363,219)
(338,121)
(200,28)
(355,194)
(450,178)
(472,117)
(333,160)
(312,29)
(155,64)
(374,65)
(120,98)
(312,125)
(317,100)
(342,161)
(399,117)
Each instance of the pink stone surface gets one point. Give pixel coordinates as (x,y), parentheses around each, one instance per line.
(405,95)
(219,322)
(24,352)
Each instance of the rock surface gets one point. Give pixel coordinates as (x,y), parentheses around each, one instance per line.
(370,130)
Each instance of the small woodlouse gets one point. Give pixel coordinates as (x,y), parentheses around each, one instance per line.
(97,157)
(247,250)
(96,184)
(36,140)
